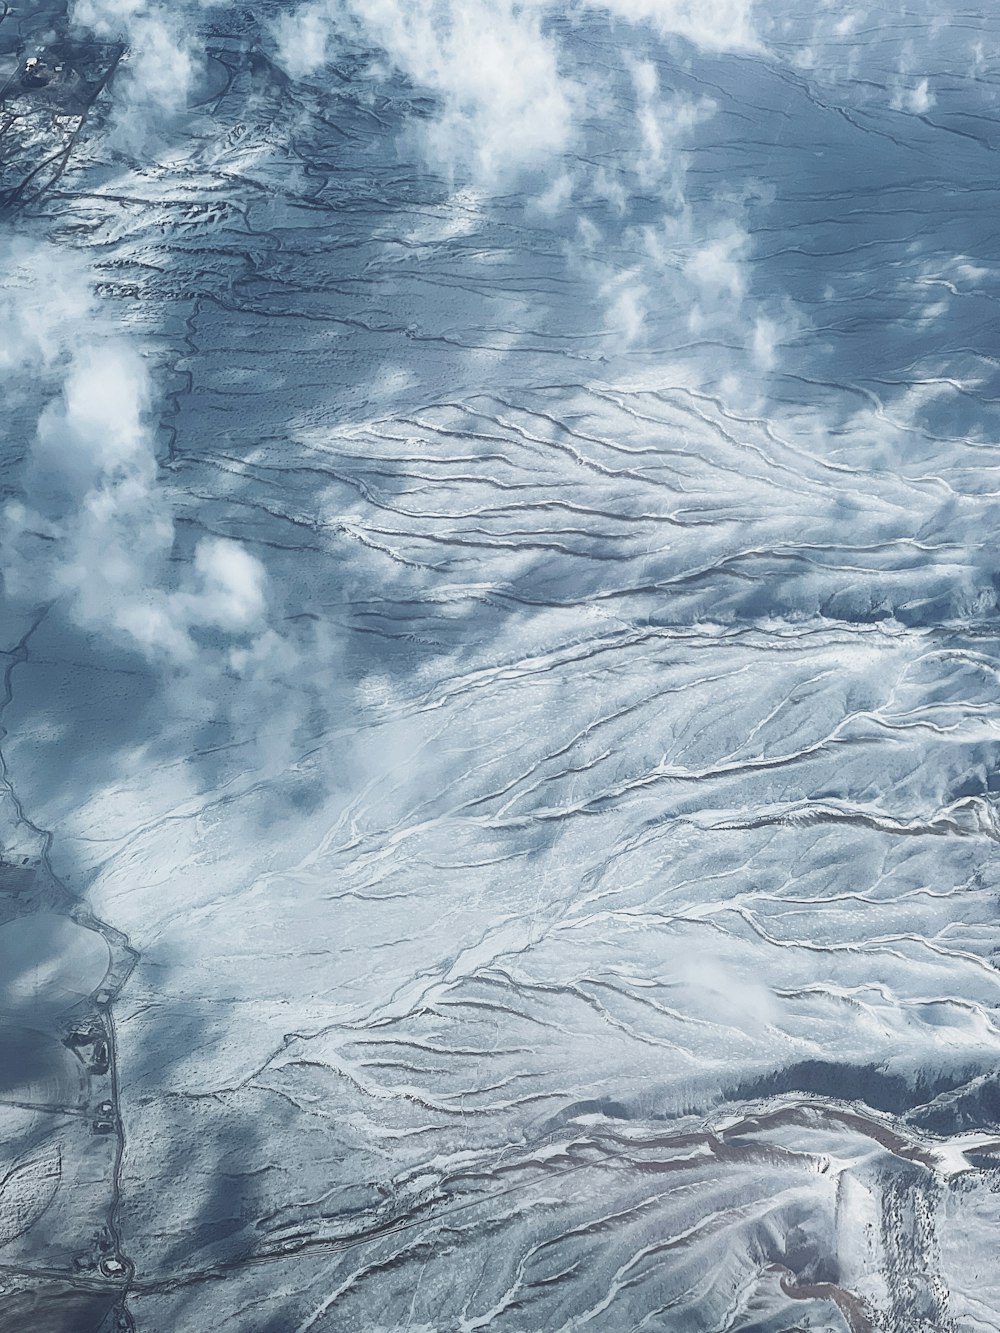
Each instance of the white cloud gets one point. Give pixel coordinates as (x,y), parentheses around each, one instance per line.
(919,99)
(229,588)
(95,526)
(504,101)
(38,300)
(716,268)
(159,68)
(765,336)
(723,25)
(627,308)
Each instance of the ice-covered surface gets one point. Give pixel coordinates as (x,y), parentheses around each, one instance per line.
(500,633)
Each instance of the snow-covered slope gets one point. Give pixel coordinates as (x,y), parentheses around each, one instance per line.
(500,628)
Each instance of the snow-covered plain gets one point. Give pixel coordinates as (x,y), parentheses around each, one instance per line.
(501,647)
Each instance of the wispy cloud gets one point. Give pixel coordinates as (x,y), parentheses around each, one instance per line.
(159,69)
(94,525)
(496,66)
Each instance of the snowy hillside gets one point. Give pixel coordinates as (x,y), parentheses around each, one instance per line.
(501,727)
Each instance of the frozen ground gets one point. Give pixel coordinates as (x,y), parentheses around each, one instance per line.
(500,631)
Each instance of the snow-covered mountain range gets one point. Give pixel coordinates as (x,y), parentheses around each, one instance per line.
(500,637)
